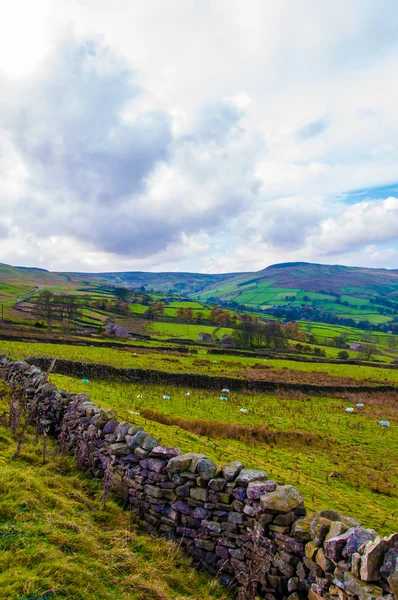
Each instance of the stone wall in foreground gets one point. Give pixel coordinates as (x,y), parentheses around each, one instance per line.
(233,521)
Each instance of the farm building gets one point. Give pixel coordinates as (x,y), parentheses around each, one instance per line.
(204,337)
(356,347)
(116,331)
(227,341)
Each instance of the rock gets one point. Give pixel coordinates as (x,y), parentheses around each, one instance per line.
(256,489)
(207,469)
(181,507)
(301,528)
(156,464)
(165,452)
(121,431)
(373,557)
(217,484)
(149,442)
(246,476)
(235,517)
(311,550)
(358,537)
(181,462)
(334,546)
(118,449)
(390,563)
(108,414)
(205,545)
(133,429)
(196,458)
(231,470)
(152,490)
(336,528)
(199,494)
(284,499)
(324,562)
(319,528)
(363,590)
(201,513)
(136,439)
(393,581)
(110,427)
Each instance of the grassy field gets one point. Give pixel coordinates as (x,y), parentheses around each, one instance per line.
(338,460)
(231,366)
(189,332)
(57,540)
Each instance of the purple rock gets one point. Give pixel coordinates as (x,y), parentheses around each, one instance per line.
(110,427)
(358,537)
(182,507)
(164,452)
(239,493)
(200,513)
(390,560)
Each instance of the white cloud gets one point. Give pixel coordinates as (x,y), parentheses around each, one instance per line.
(199,135)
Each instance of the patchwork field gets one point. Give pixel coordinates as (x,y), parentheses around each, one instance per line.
(338,460)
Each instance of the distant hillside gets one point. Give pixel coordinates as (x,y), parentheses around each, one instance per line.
(346,292)
(354,292)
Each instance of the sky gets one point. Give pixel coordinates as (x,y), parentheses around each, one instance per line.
(213,136)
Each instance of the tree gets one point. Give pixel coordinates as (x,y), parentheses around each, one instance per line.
(46,307)
(368,350)
(343,355)
(121,293)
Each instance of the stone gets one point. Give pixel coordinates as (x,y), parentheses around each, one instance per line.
(205,545)
(156,464)
(311,550)
(319,528)
(152,490)
(284,499)
(358,537)
(231,470)
(207,469)
(390,563)
(121,431)
(325,563)
(336,528)
(149,442)
(180,463)
(356,564)
(249,510)
(141,453)
(257,488)
(393,581)
(118,449)
(363,590)
(165,452)
(313,595)
(193,467)
(235,517)
(239,493)
(136,439)
(301,528)
(107,414)
(373,557)
(199,494)
(181,507)
(201,513)
(183,491)
(246,476)
(110,427)
(334,546)
(217,484)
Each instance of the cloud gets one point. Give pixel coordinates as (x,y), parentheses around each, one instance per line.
(312,129)
(230,136)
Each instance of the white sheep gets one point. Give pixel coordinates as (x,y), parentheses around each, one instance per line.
(360,405)
(187,393)
(384,423)
(244,411)
(349,409)
(223,398)
(166,397)
(225,391)
(139,396)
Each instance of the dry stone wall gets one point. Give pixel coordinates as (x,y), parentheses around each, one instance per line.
(233,521)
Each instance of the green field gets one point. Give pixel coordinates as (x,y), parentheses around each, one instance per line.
(231,366)
(313,438)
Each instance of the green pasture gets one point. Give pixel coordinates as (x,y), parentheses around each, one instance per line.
(337,460)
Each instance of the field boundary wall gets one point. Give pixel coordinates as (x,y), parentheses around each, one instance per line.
(233,521)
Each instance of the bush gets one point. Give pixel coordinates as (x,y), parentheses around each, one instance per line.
(343,354)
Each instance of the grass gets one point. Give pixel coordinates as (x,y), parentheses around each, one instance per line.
(231,366)
(57,540)
(337,460)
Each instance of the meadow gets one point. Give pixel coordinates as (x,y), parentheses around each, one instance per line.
(283,370)
(337,460)
(58,539)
